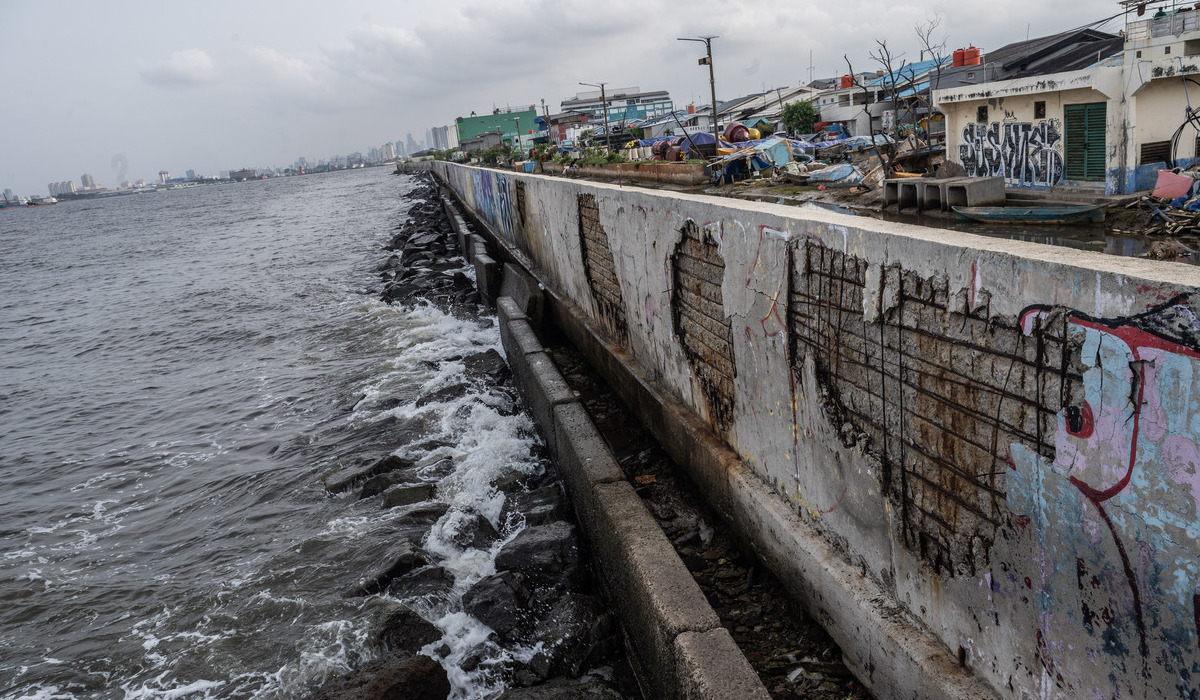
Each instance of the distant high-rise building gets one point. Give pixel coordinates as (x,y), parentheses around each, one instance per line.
(440,138)
(389,151)
(8,194)
(163,176)
(87,181)
(191,174)
(64,187)
(411,146)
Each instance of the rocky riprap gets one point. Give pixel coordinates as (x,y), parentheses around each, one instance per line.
(542,606)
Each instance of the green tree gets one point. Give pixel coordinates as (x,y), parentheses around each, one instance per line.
(800,116)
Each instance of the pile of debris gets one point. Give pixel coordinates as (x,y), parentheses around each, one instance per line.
(1163,219)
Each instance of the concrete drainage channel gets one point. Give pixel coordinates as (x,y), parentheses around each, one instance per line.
(680,646)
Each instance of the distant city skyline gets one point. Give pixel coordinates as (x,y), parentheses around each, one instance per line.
(122,91)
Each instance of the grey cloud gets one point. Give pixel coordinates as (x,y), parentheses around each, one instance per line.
(187,68)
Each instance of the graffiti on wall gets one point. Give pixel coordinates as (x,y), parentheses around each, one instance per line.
(1113,521)
(1025,154)
(1067,442)
(492,198)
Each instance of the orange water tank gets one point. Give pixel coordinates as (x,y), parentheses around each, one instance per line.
(971,57)
(847,81)
(691,109)
(958,57)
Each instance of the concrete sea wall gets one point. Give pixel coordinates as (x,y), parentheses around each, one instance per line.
(975,460)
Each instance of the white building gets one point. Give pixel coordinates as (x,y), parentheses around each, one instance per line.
(1111,124)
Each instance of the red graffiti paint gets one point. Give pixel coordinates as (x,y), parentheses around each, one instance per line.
(1081,423)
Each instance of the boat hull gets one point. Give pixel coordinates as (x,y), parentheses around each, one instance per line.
(1073,214)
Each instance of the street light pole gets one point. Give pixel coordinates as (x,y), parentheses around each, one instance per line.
(604,104)
(712,83)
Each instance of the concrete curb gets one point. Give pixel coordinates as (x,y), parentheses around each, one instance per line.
(654,594)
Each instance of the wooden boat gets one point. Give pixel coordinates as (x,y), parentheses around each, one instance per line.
(1061,214)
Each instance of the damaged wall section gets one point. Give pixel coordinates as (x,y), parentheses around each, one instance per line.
(700,321)
(601,272)
(932,389)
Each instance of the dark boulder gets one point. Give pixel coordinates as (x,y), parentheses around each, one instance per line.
(444,394)
(488,365)
(382,482)
(346,479)
(473,531)
(500,602)
(538,507)
(574,628)
(427,580)
(586,688)
(542,552)
(396,676)
(408,494)
(402,558)
(405,630)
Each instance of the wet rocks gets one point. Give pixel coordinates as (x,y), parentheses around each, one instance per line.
(573,629)
(540,596)
(470,530)
(488,365)
(443,395)
(347,479)
(544,553)
(536,507)
(405,630)
(408,494)
(426,264)
(399,675)
(382,482)
(402,558)
(587,688)
(500,601)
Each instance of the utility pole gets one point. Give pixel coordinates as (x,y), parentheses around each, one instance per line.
(712,83)
(604,104)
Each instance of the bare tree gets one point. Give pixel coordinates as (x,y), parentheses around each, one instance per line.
(885,89)
(897,73)
(936,50)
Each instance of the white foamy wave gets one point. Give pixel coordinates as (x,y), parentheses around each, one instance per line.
(328,650)
(162,688)
(464,635)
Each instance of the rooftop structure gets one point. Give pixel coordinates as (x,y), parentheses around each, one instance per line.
(624,104)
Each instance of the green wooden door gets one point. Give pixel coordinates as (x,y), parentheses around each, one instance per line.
(1085,127)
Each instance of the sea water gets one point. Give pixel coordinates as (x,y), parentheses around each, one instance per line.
(179,371)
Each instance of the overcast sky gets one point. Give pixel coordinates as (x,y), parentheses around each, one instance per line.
(122,90)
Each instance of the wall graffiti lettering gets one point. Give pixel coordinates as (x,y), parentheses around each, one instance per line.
(1025,154)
